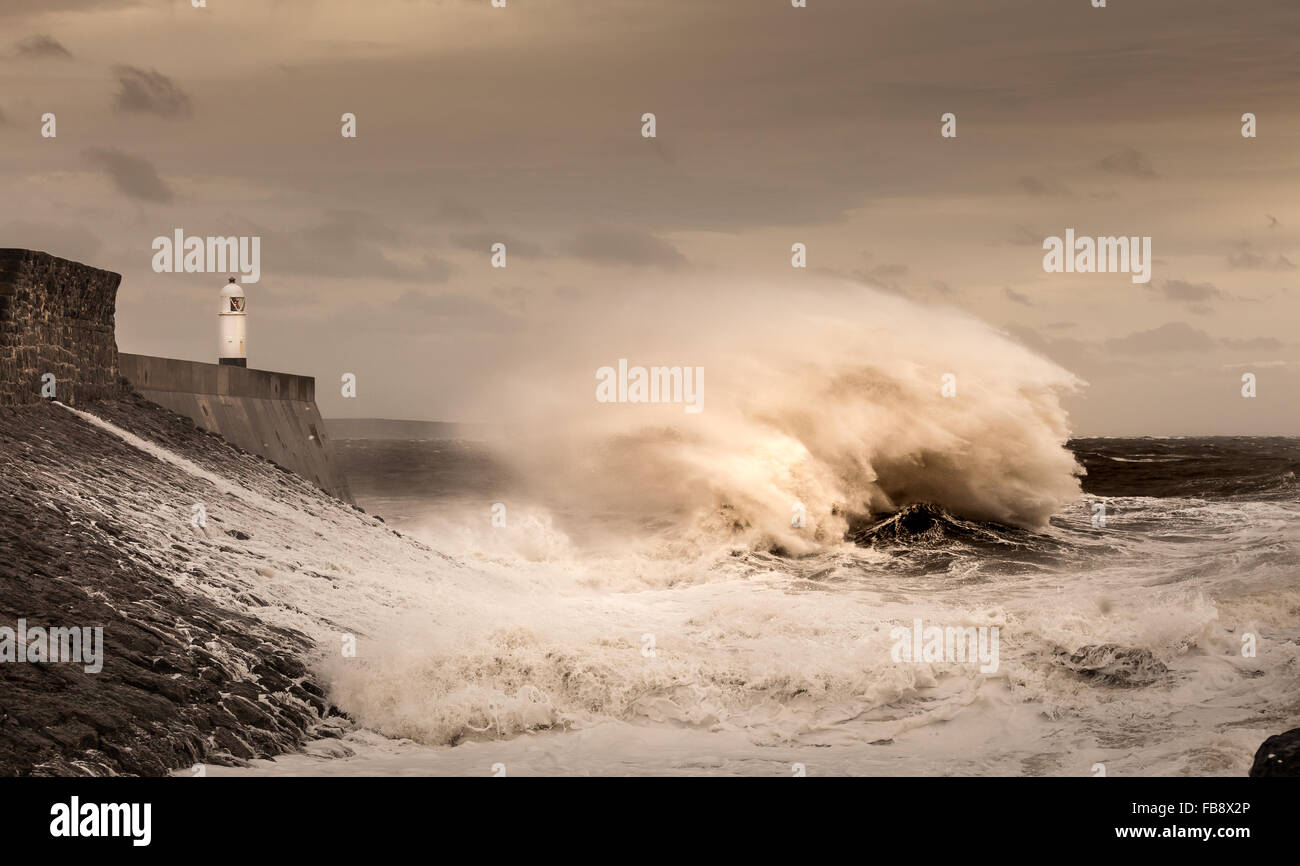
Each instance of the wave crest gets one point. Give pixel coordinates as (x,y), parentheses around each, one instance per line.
(837,407)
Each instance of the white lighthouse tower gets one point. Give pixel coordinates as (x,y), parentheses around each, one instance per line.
(233,327)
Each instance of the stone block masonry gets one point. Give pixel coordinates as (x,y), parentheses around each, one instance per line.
(56,316)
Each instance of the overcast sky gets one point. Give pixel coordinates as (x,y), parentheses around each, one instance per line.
(775,125)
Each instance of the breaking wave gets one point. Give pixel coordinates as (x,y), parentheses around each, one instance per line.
(839,408)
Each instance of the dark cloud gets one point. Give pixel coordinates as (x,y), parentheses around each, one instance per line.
(417,314)
(38,7)
(1027,237)
(42,45)
(481,242)
(459,211)
(1037,186)
(609,246)
(350,243)
(1254,343)
(1074,355)
(1186,292)
(444,306)
(820,123)
(133,176)
(150,92)
(1173,337)
(1248,259)
(1016,297)
(1129,162)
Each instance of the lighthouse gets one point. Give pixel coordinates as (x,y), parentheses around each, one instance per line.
(232,326)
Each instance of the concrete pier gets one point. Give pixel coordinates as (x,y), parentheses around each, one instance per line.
(271,414)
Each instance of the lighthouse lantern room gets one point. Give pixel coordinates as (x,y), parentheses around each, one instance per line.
(233,327)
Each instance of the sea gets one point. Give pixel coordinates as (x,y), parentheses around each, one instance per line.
(1151,626)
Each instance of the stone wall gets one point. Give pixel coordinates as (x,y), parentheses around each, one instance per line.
(56,316)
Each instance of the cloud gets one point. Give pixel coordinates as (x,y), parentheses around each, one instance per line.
(350,244)
(1129,162)
(454,209)
(1037,186)
(1027,237)
(65,241)
(1253,343)
(1181,337)
(21,8)
(1185,292)
(608,246)
(150,92)
(883,275)
(1173,337)
(415,313)
(42,45)
(445,306)
(37,7)
(481,242)
(133,176)
(1074,355)
(1016,297)
(1250,260)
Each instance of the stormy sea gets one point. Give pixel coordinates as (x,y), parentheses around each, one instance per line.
(749,584)
(1150,628)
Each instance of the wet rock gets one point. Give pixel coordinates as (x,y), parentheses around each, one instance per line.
(1279,755)
(245,711)
(169,653)
(232,743)
(1113,665)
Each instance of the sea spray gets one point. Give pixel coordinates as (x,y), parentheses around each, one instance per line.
(833,396)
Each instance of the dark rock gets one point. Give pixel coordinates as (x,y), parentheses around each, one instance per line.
(1278,756)
(169,654)
(231,742)
(245,710)
(1113,665)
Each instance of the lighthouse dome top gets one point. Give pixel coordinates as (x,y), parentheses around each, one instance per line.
(232,289)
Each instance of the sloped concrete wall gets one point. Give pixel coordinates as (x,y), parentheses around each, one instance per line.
(271,414)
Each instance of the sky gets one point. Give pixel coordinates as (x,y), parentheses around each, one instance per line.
(775,125)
